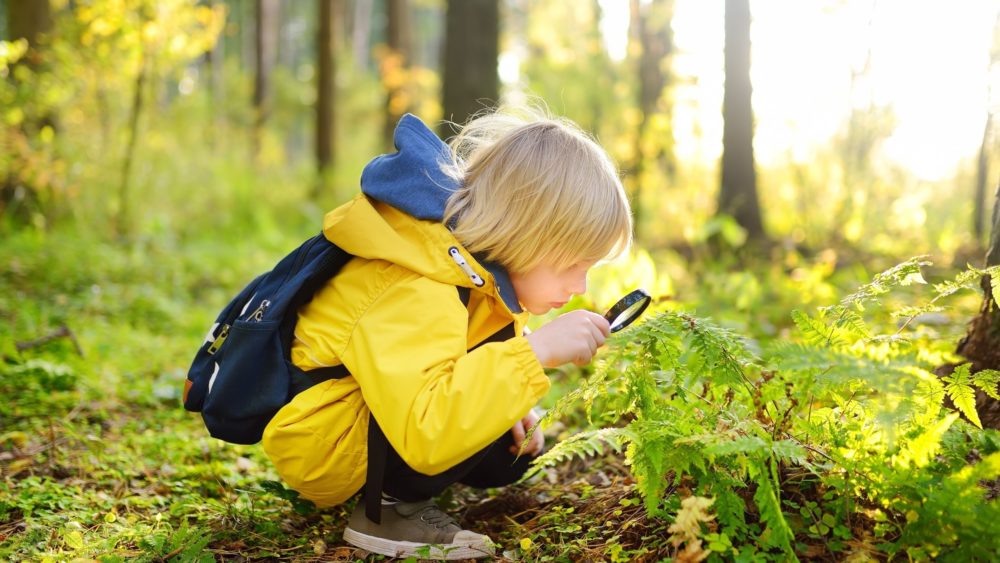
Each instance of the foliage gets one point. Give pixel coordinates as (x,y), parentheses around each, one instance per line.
(59,107)
(842,426)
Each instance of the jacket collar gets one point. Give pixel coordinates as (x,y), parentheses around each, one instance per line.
(412,180)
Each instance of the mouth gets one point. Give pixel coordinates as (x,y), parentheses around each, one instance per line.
(558,305)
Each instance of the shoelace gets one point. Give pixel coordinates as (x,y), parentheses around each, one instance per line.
(436,517)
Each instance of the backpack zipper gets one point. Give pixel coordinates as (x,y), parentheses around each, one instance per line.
(258,314)
(217,343)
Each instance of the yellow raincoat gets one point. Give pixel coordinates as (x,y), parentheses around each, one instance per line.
(393,317)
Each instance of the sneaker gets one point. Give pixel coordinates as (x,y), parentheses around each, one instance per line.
(409,528)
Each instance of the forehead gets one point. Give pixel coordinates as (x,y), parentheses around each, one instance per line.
(549,267)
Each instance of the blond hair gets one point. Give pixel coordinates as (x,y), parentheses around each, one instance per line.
(535,189)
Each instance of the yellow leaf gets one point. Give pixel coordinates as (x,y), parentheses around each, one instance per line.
(74,539)
(526,544)
(912,516)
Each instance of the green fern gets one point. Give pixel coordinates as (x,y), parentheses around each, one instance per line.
(778,533)
(915,311)
(581,444)
(970,279)
(902,274)
(856,326)
(959,389)
(815,332)
(987,380)
(840,402)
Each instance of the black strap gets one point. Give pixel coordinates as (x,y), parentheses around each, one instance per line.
(464,294)
(378,453)
(302,380)
(378,444)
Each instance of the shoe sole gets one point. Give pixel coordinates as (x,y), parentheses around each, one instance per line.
(399,548)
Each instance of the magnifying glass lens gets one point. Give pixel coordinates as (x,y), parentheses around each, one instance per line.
(627,310)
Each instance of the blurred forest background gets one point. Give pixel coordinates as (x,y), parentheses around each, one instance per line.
(871,124)
(156,155)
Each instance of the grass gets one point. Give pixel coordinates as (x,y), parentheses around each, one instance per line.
(99,461)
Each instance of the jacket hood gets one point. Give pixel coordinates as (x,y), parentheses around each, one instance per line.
(399,217)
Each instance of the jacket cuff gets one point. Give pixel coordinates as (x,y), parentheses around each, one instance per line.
(531,369)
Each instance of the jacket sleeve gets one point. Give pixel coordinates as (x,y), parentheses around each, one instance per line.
(436,403)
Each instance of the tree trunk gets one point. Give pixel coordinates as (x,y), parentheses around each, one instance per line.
(981,344)
(28,20)
(123,219)
(471,82)
(324,91)
(738,192)
(361,33)
(395,62)
(982,170)
(266,40)
(650,28)
(214,60)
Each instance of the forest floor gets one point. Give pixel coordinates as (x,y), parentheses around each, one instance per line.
(107,482)
(99,461)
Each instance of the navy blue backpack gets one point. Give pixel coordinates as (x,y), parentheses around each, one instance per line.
(243,373)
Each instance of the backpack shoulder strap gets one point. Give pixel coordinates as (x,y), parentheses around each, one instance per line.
(378,451)
(464,294)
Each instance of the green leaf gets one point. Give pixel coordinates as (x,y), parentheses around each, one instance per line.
(74,539)
(741,445)
(778,533)
(962,393)
(987,380)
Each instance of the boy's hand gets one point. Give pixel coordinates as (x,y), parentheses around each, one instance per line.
(573,337)
(520,430)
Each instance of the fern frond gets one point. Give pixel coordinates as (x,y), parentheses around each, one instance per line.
(813,331)
(891,339)
(856,325)
(958,387)
(919,451)
(969,279)
(987,380)
(769,506)
(581,444)
(994,273)
(901,274)
(752,446)
(789,450)
(910,312)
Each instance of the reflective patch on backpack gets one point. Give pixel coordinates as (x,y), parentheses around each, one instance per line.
(211,380)
(247,306)
(210,337)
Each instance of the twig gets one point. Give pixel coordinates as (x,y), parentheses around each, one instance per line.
(62,332)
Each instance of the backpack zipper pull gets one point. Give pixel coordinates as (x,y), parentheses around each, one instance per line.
(217,343)
(258,314)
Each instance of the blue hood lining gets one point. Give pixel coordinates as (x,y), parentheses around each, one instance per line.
(412,181)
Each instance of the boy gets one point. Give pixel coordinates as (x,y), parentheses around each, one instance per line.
(513,214)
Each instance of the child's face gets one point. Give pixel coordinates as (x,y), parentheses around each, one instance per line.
(546,287)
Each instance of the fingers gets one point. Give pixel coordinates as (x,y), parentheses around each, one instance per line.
(573,337)
(520,431)
(537,437)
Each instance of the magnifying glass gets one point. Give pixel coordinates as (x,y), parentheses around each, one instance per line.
(627,309)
